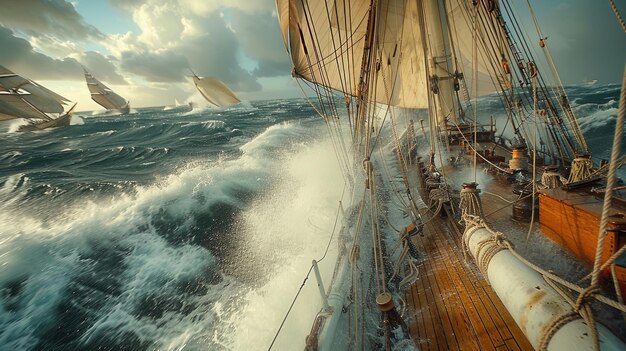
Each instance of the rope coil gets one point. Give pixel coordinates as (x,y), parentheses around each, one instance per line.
(581,169)
(551,179)
(486,249)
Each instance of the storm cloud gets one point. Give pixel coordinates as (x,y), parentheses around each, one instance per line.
(47,17)
(175,40)
(18,55)
(100,66)
(164,66)
(260,38)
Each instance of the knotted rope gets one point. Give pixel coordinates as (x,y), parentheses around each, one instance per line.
(438,197)
(470,203)
(485,249)
(551,179)
(406,256)
(581,169)
(582,310)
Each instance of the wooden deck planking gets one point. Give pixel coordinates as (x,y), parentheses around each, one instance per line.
(446,313)
(428,338)
(490,315)
(462,313)
(436,313)
(478,319)
(471,301)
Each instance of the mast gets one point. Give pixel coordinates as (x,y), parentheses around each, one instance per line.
(439,63)
(363,87)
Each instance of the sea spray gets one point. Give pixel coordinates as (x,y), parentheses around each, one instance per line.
(285,230)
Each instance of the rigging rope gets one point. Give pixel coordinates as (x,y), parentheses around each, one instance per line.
(619,17)
(611,182)
(534,181)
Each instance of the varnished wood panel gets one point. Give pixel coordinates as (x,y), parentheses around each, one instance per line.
(574,227)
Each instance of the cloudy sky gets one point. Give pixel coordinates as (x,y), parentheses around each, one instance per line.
(144,49)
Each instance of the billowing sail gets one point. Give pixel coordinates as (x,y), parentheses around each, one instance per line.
(215,91)
(23,98)
(326,41)
(490,76)
(104,96)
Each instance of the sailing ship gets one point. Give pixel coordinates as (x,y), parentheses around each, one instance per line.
(215,91)
(425,255)
(179,105)
(104,96)
(23,98)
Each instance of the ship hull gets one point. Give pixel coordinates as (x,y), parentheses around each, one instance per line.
(125,110)
(62,121)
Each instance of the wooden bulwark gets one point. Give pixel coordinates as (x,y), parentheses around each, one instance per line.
(451,306)
(572,220)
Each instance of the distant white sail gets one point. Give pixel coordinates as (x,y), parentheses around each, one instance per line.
(104,96)
(215,91)
(23,98)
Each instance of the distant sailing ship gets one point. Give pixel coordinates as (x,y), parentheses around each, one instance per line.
(179,105)
(104,96)
(23,98)
(215,91)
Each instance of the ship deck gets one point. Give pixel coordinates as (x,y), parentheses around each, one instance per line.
(451,306)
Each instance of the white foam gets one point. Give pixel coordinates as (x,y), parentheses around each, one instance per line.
(16,124)
(77,120)
(49,253)
(287,229)
(592,116)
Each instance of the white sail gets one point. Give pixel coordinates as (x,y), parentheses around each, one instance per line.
(215,91)
(23,98)
(104,96)
(489,70)
(330,52)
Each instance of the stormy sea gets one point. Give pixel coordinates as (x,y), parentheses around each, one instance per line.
(173,229)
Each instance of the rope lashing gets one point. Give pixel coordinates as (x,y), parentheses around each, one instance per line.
(551,178)
(437,198)
(554,327)
(472,223)
(408,254)
(485,249)
(470,200)
(582,310)
(581,169)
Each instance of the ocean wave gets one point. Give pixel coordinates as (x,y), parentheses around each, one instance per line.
(10,155)
(593,116)
(142,267)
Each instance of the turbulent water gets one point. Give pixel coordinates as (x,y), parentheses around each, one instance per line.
(175,229)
